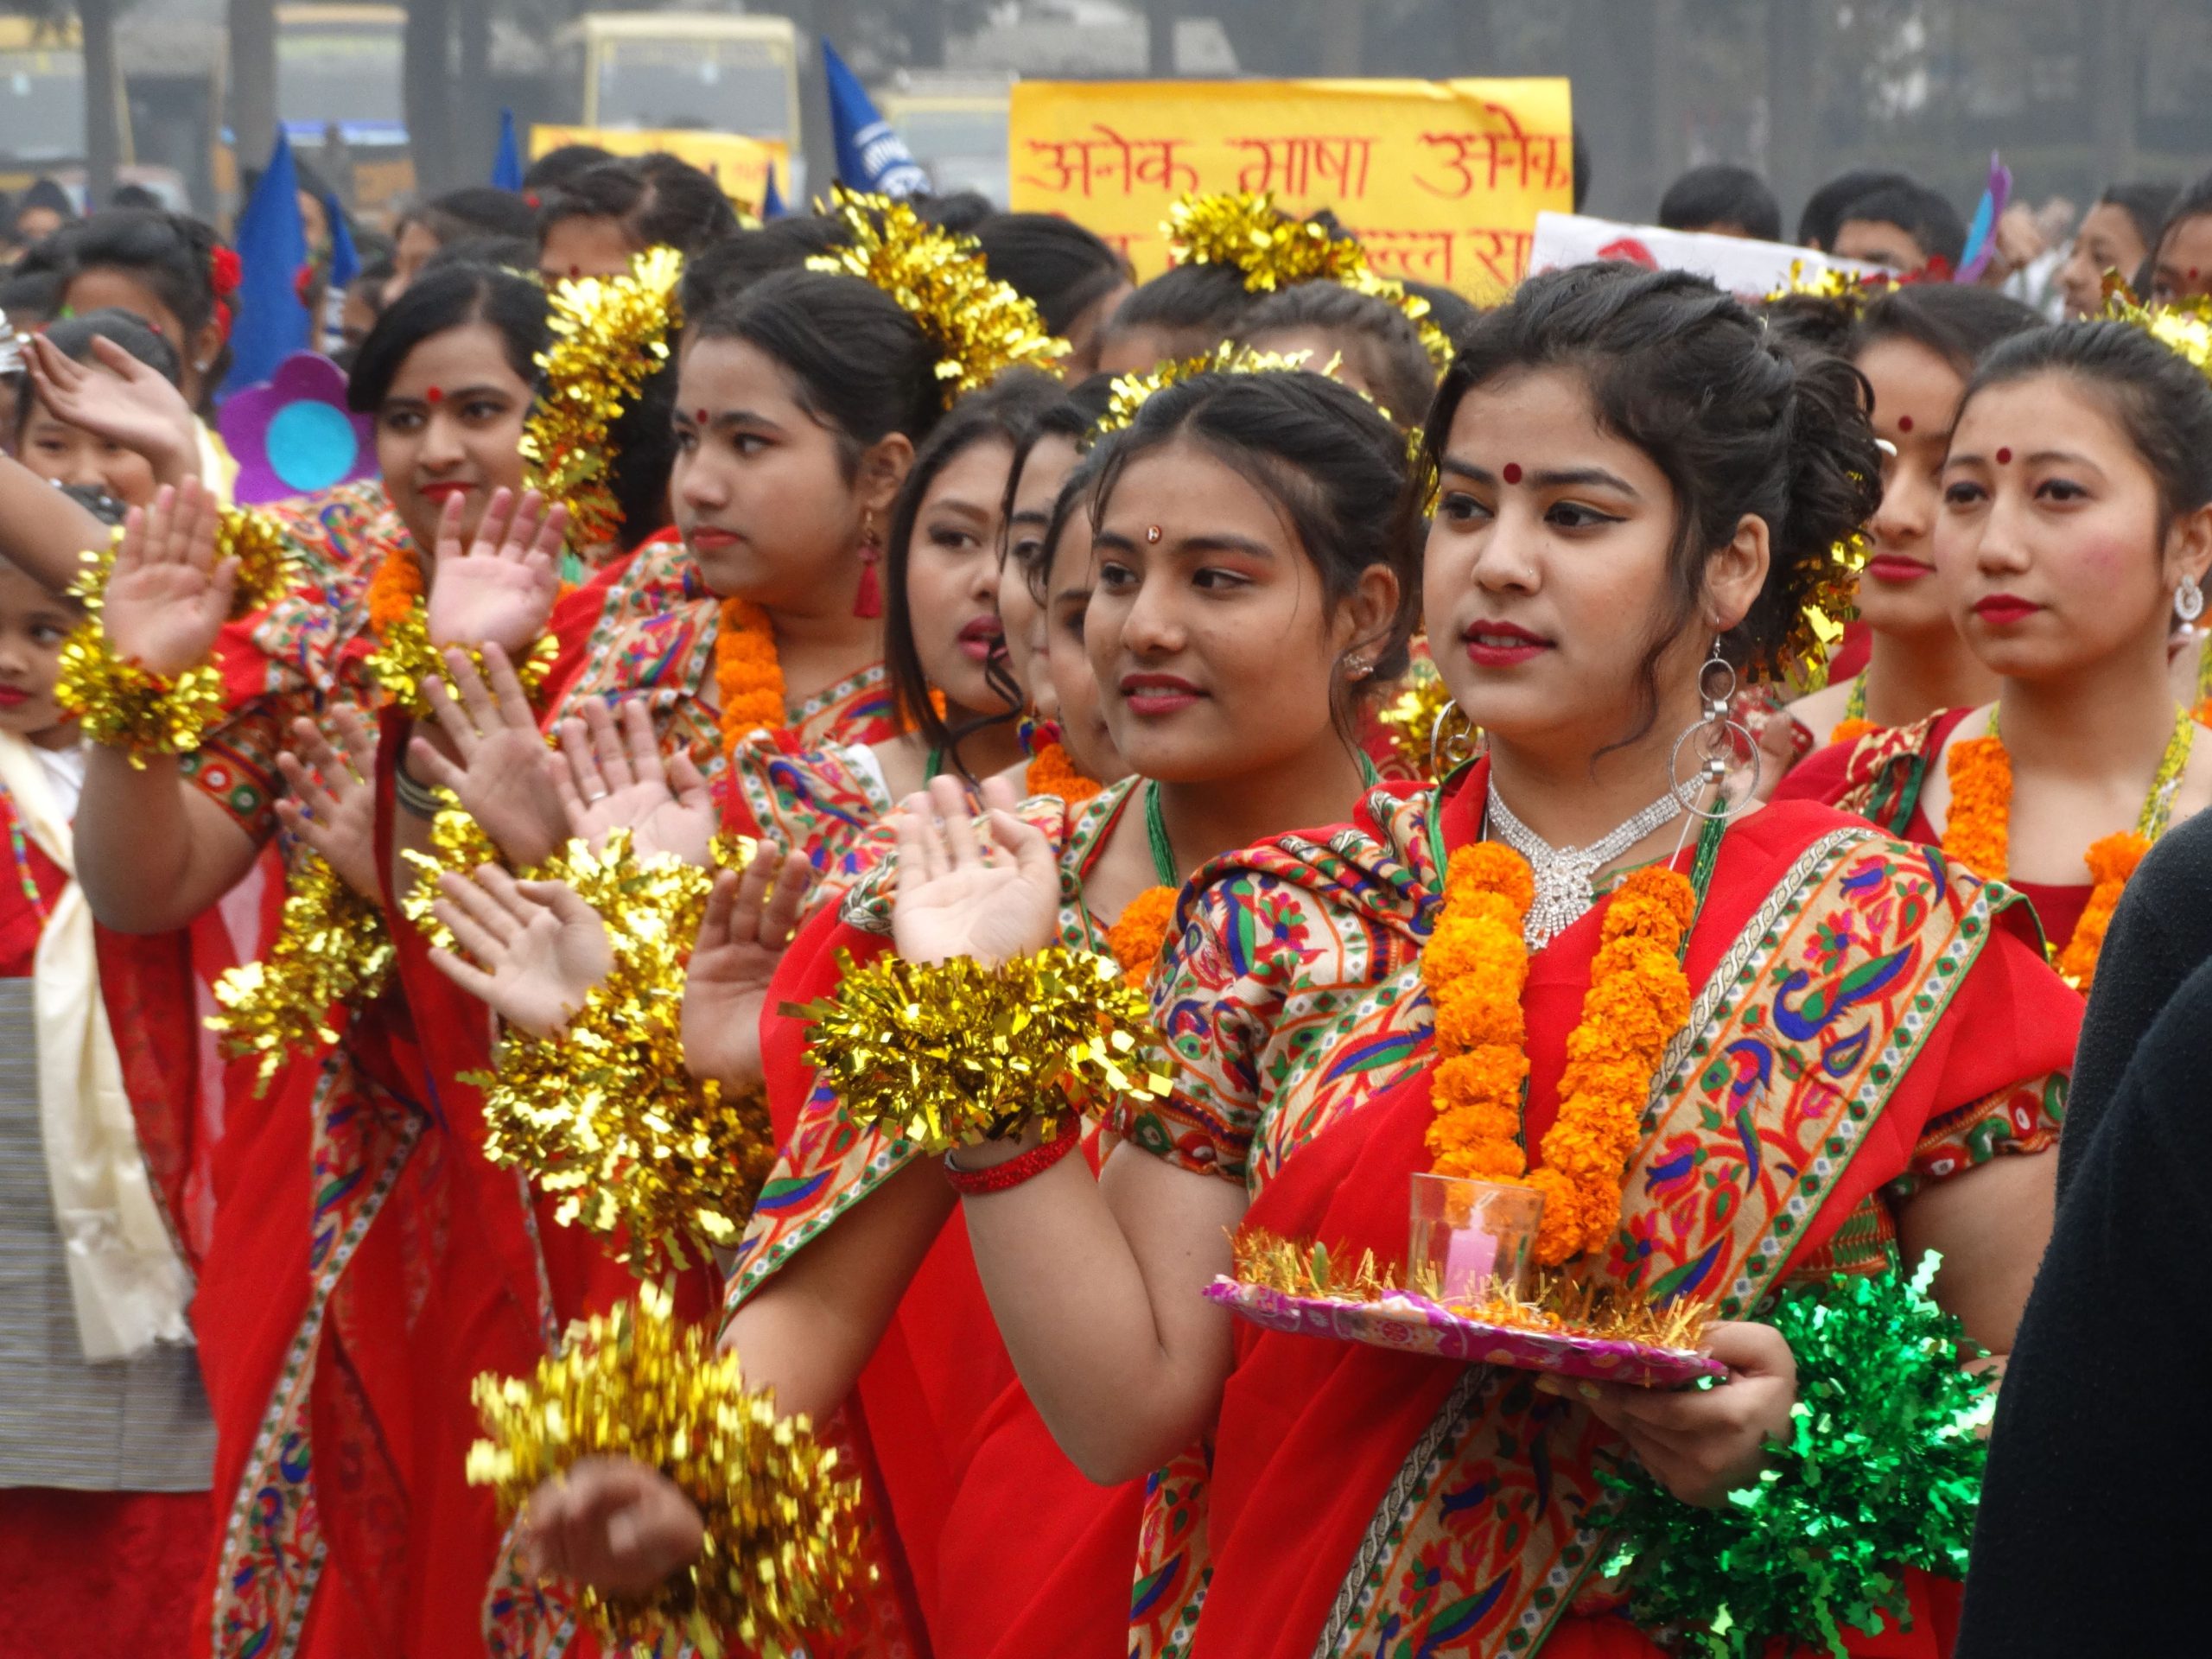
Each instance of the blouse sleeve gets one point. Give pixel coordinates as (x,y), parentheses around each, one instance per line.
(235,764)
(1246,942)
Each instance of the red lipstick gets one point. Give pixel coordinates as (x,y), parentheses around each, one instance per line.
(1151,695)
(2003,610)
(1501,645)
(1895,567)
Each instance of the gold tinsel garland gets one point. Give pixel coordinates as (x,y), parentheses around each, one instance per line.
(946,1054)
(258,542)
(1131,392)
(1274,250)
(458,844)
(331,949)
(980,326)
(405,657)
(610,336)
(603,1115)
(782,1544)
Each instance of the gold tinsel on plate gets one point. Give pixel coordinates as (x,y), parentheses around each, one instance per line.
(405,657)
(610,336)
(783,1541)
(603,1114)
(331,950)
(1274,250)
(1568,1304)
(980,326)
(945,1054)
(1131,392)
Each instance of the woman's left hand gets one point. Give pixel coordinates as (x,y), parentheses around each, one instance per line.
(992,898)
(500,771)
(333,806)
(1702,1444)
(500,590)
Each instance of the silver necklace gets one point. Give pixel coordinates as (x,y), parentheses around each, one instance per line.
(1564,873)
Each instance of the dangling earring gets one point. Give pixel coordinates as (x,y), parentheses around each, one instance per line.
(867,601)
(1716,735)
(2189,599)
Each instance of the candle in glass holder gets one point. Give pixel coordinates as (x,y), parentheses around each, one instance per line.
(1469,1237)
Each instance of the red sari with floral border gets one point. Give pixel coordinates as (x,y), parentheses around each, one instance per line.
(1867,1019)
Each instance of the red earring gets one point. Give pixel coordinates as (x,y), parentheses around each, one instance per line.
(867,601)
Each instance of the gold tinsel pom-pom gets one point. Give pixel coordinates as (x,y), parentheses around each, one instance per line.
(258,542)
(980,326)
(120,706)
(945,1054)
(331,949)
(783,1542)
(405,657)
(2182,327)
(610,336)
(603,1116)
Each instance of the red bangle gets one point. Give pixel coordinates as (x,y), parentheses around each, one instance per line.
(974,1183)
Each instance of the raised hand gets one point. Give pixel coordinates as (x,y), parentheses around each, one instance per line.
(122,400)
(613,1524)
(168,598)
(610,776)
(743,938)
(500,588)
(332,805)
(538,947)
(961,896)
(1703,1445)
(499,767)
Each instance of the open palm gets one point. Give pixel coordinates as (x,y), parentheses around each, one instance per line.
(610,776)
(742,939)
(168,598)
(538,949)
(332,805)
(499,589)
(960,895)
(121,399)
(500,768)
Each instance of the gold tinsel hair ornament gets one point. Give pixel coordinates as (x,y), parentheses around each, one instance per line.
(980,326)
(2182,327)
(1131,392)
(1273,251)
(610,336)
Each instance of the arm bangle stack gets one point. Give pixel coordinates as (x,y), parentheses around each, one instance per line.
(975,1182)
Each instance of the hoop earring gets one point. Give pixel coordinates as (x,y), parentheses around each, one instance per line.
(1446,754)
(2189,599)
(1716,735)
(867,598)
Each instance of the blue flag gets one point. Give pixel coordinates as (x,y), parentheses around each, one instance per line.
(507,167)
(272,244)
(870,156)
(345,257)
(772,200)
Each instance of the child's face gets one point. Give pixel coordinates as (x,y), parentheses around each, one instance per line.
(33,625)
(69,454)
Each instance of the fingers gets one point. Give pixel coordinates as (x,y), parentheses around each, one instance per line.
(157,548)
(753,895)
(950,802)
(999,794)
(199,515)
(643,746)
(607,746)
(131,552)
(508,696)
(463,973)
(1032,854)
(507,893)
(476,696)
(516,531)
(545,551)
(794,880)
(112,357)
(448,548)
(452,719)
(427,763)
(360,736)
(579,747)
(921,846)
(688,782)
(569,906)
(483,926)
(491,527)
(722,904)
(309,793)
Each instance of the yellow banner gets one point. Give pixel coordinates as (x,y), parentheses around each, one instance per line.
(739,164)
(1441,180)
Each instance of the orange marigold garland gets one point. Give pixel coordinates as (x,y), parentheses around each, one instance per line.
(1138,933)
(1051,771)
(1475,968)
(748,675)
(1977,833)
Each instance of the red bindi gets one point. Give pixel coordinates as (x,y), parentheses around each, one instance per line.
(1513,472)
(701,417)
(436,395)
(575,271)
(2005,457)
(1904,423)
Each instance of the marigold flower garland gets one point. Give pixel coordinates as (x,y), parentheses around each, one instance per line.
(783,1546)
(1977,833)
(1476,966)
(1051,771)
(748,675)
(1139,932)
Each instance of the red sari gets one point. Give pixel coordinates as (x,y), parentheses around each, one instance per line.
(1880,776)
(996,1546)
(1869,1020)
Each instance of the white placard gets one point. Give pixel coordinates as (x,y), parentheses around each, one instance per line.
(1749,270)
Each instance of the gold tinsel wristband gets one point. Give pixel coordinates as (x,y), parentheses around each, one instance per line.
(783,1546)
(265,559)
(948,1054)
(119,705)
(602,1114)
(331,949)
(405,657)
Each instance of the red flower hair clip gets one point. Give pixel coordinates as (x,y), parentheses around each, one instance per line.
(224,273)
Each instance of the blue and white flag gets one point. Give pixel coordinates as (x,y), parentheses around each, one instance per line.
(870,156)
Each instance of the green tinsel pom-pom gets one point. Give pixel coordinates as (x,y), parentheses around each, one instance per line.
(1883,1471)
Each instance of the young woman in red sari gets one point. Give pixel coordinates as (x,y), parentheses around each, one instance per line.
(1867,1033)
(1247,637)
(2076,523)
(1916,346)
